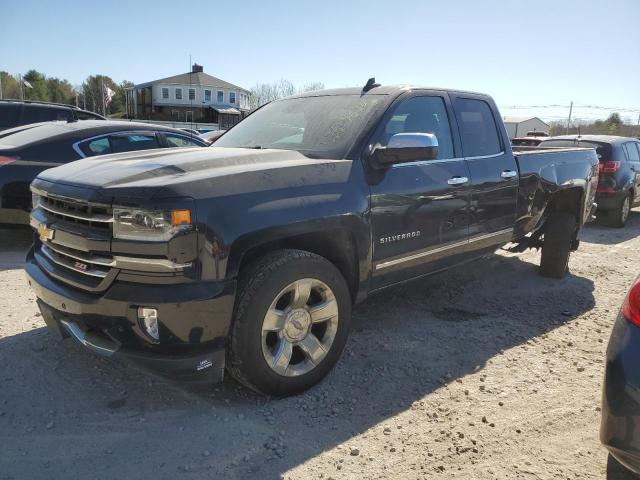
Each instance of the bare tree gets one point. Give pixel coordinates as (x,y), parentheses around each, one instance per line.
(262,93)
(312,87)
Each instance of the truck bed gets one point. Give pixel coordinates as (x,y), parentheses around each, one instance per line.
(546,170)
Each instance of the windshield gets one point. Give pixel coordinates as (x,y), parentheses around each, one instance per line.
(603,150)
(319,127)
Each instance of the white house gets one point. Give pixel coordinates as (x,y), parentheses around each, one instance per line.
(520,126)
(189,97)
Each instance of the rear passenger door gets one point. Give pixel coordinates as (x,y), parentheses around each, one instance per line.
(632,151)
(494,172)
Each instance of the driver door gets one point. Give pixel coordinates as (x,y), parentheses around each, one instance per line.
(419,210)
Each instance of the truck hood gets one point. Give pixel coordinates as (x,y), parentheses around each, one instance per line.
(153,170)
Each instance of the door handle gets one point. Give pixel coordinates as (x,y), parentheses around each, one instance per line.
(457,180)
(509,173)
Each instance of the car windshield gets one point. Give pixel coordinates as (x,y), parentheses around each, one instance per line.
(603,150)
(319,127)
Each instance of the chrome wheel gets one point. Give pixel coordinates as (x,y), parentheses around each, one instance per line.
(625,209)
(299,327)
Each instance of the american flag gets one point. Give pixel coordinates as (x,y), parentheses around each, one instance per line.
(107,94)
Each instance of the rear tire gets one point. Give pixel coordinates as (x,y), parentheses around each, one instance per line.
(291,322)
(558,237)
(618,217)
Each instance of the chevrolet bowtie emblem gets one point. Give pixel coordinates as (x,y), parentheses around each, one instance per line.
(45,232)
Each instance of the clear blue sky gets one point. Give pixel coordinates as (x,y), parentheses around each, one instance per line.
(523,52)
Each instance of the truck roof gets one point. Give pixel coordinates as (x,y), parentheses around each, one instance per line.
(381,90)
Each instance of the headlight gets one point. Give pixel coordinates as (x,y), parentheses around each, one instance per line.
(149,225)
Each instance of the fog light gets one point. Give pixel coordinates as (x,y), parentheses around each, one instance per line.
(148,318)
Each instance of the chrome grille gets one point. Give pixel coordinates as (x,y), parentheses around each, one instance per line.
(77,261)
(76,211)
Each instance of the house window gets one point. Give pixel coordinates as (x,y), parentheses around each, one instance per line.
(192,94)
(232,97)
(220,96)
(165,93)
(207,95)
(178,94)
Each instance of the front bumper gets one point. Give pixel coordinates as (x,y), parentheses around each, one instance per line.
(620,426)
(194,322)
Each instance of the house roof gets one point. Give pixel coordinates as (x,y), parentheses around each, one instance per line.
(511,119)
(194,78)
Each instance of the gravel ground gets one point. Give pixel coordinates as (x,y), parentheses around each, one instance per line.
(489,371)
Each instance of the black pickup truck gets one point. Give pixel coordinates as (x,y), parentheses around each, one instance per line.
(250,255)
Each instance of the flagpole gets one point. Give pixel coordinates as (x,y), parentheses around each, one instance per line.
(104,108)
(21,87)
(126,102)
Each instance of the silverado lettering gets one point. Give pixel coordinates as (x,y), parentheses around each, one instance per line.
(403,236)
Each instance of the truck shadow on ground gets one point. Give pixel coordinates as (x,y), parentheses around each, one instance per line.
(67,414)
(598,232)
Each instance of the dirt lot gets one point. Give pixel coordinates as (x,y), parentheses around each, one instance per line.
(485,372)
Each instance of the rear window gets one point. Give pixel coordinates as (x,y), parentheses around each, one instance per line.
(9,115)
(131,142)
(477,128)
(603,150)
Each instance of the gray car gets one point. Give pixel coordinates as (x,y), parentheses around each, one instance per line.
(28,150)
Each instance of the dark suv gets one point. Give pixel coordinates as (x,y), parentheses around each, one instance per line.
(619,184)
(14,113)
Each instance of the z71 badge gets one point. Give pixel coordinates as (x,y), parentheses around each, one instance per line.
(400,236)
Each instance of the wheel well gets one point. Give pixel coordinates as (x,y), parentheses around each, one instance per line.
(337,246)
(568,201)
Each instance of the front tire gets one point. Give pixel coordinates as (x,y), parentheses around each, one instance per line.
(291,322)
(558,237)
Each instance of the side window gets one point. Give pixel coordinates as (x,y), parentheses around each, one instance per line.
(9,115)
(180,141)
(97,146)
(478,129)
(422,115)
(34,114)
(631,149)
(128,142)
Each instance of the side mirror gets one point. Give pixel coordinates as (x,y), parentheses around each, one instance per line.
(406,147)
